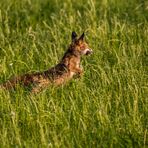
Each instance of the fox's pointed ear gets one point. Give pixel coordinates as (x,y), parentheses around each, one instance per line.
(73,36)
(82,37)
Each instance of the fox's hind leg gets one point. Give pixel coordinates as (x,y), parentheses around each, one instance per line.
(40,85)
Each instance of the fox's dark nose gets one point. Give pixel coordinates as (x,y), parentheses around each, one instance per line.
(90,51)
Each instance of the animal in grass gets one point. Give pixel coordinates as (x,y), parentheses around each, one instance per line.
(66,69)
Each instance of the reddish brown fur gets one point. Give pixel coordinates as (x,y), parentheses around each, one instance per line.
(61,73)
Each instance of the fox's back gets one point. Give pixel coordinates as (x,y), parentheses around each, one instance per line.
(56,75)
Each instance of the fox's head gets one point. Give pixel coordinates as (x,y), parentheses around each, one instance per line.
(79,46)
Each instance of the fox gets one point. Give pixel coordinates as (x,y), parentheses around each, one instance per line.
(68,67)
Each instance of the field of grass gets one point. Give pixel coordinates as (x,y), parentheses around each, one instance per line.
(108,106)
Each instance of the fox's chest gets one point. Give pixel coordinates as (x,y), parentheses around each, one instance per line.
(75,69)
(71,74)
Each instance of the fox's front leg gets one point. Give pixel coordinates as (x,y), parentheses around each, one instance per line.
(79,72)
(81,69)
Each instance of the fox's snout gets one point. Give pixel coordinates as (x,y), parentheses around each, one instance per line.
(87,51)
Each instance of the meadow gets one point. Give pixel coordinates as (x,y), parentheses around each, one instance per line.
(108,106)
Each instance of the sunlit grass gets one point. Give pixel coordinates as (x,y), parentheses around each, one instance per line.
(108,106)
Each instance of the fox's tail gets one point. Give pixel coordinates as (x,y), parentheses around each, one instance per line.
(10,83)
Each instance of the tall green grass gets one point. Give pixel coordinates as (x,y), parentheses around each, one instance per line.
(108,106)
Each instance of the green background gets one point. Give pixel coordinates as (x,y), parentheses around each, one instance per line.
(108,106)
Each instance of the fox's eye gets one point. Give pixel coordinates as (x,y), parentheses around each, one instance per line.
(82,46)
